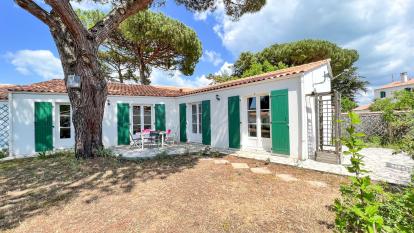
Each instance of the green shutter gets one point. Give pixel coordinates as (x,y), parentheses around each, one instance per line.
(205,122)
(160,117)
(123,124)
(183,123)
(280,122)
(382,93)
(234,121)
(43,126)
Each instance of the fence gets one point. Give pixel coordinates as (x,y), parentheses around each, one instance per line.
(4,126)
(373,124)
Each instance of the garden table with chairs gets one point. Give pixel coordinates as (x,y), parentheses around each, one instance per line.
(151,137)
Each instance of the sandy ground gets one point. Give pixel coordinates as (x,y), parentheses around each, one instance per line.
(181,194)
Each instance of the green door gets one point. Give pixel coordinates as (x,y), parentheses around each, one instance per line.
(280,122)
(183,123)
(205,122)
(123,124)
(234,121)
(43,126)
(160,117)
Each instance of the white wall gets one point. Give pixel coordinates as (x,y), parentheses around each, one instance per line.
(389,91)
(219,112)
(301,113)
(22,111)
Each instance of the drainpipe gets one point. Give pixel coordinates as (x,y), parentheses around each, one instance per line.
(302,118)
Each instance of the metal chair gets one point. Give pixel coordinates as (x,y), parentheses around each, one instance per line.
(135,141)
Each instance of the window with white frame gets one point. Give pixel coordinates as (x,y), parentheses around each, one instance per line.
(64,121)
(196,118)
(265,116)
(251,117)
(141,118)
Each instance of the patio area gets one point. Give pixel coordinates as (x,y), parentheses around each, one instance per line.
(130,152)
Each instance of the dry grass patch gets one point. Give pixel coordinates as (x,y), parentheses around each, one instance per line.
(180,194)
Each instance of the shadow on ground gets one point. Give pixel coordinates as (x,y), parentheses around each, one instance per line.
(31,186)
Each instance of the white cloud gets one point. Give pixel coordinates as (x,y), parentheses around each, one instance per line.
(177,79)
(382,32)
(225,69)
(91,5)
(366,97)
(212,57)
(201,16)
(36,62)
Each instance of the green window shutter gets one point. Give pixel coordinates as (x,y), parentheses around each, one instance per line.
(43,126)
(382,94)
(234,121)
(183,123)
(123,124)
(206,122)
(160,117)
(280,122)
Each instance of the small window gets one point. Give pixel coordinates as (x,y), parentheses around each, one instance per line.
(196,118)
(382,94)
(136,119)
(265,116)
(251,117)
(64,121)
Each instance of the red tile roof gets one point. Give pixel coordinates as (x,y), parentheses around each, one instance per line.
(58,85)
(398,83)
(4,91)
(261,77)
(362,107)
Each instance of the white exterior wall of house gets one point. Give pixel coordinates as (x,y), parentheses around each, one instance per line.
(22,112)
(390,90)
(301,114)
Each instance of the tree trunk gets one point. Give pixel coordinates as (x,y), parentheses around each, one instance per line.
(88,102)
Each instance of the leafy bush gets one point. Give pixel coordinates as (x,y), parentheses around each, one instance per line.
(347,104)
(368,207)
(3,153)
(358,208)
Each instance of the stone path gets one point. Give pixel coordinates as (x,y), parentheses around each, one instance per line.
(265,171)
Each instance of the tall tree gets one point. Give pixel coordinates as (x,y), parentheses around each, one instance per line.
(78,50)
(306,51)
(158,41)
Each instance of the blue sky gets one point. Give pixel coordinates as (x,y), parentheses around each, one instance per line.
(381,31)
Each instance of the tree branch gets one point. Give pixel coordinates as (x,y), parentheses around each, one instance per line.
(35,10)
(68,17)
(127,8)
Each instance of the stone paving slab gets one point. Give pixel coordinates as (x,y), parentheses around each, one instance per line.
(260,170)
(240,165)
(317,184)
(221,161)
(287,177)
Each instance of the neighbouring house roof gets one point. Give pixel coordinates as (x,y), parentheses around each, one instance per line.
(362,108)
(398,83)
(58,85)
(4,91)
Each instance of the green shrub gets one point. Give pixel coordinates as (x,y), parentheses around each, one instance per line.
(4,153)
(368,207)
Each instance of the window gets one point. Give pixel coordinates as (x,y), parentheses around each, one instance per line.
(251,117)
(382,94)
(64,121)
(196,118)
(147,117)
(265,116)
(136,119)
(141,118)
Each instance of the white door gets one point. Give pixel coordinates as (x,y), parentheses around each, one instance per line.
(195,123)
(258,122)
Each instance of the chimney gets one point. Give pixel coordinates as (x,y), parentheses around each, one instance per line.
(404,77)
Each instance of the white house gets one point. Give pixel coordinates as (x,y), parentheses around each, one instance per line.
(387,90)
(270,112)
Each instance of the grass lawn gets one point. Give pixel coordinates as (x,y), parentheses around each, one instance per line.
(180,194)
